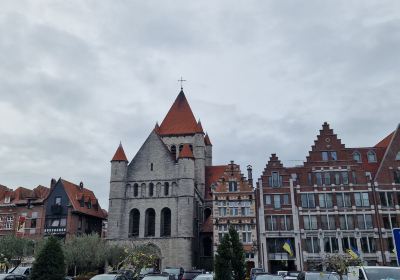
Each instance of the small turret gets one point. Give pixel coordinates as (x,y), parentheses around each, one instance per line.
(119,164)
(208,144)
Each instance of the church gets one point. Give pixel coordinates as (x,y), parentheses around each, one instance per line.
(159,196)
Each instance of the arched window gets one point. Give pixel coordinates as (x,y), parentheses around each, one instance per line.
(166,222)
(173,151)
(357,156)
(151,189)
(143,189)
(207,213)
(150,222)
(207,247)
(371,156)
(166,189)
(135,190)
(134,221)
(180,147)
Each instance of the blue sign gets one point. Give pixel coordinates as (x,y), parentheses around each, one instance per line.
(396,241)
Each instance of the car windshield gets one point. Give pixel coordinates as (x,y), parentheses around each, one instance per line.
(268,277)
(104,277)
(382,273)
(204,277)
(321,276)
(20,270)
(155,277)
(175,271)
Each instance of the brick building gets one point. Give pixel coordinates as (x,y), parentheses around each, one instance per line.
(234,206)
(22,211)
(72,210)
(339,198)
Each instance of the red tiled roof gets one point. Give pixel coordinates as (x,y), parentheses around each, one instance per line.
(186,152)
(207,140)
(179,119)
(384,143)
(119,154)
(213,174)
(75,193)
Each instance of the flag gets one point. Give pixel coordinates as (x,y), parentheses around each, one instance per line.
(288,248)
(353,252)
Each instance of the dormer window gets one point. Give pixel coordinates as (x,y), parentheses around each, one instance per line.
(398,155)
(232,186)
(57,200)
(7,199)
(371,156)
(89,204)
(357,156)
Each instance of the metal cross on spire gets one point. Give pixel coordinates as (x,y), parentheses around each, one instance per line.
(181,80)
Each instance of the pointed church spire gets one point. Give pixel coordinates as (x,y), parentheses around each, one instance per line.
(199,127)
(156,128)
(207,140)
(179,119)
(119,154)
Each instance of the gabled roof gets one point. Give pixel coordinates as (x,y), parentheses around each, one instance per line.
(119,154)
(179,119)
(76,193)
(186,152)
(213,174)
(384,143)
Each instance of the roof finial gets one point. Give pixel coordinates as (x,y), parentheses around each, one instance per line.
(181,80)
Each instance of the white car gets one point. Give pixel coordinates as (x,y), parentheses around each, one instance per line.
(379,273)
(204,277)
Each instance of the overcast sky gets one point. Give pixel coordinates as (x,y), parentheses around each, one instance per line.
(78,77)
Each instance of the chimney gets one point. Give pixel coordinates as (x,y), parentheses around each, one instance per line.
(53,182)
(250,174)
(81,185)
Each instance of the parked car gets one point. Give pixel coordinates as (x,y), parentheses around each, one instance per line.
(379,272)
(22,270)
(207,276)
(176,271)
(291,275)
(159,276)
(129,274)
(145,271)
(254,271)
(109,277)
(315,275)
(266,276)
(11,276)
(282,273)
(190,275)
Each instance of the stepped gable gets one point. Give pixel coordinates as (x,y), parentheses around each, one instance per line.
(327,140)
(186,152)
(179,119)
(273,163)
(207,140)
(213,174)
(119,154)
(77,193)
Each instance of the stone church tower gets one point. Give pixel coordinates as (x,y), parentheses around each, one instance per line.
(158,197)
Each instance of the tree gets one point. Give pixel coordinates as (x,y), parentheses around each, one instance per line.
(13,249)
(116,255)
(238,255)
(49,264)
(140,256)
(85,253)
(222,263)
(340,263)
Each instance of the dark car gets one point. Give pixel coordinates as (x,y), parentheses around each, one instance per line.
(191,274)
(177,272)
(11,276)
(315,275)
